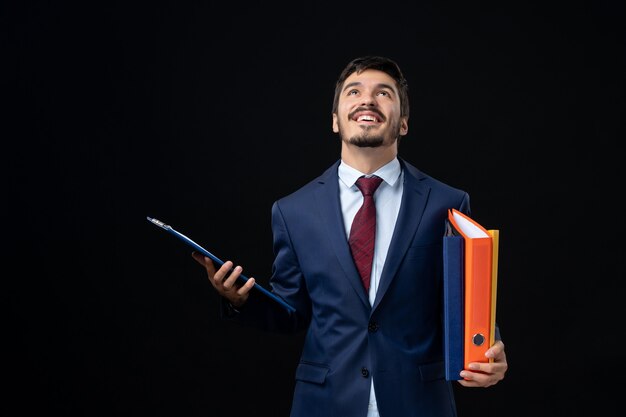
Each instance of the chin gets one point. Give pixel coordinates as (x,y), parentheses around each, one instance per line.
(362,142)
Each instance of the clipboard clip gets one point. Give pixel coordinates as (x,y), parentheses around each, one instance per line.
(158,223)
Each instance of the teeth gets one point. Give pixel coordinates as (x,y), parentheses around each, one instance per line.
(366,118)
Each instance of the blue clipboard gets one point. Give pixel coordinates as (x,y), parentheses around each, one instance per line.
(217,260)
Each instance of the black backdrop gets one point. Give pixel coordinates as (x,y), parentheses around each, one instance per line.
(202,115)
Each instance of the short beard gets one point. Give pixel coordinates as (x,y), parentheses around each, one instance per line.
(364,140)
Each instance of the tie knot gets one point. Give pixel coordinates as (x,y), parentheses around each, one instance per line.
(368,185)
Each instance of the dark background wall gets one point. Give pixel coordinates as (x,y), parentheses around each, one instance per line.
(117,111)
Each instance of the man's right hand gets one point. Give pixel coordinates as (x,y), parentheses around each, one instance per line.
(224,280)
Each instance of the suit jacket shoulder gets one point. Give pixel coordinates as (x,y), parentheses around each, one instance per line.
(307,189)
(432,182)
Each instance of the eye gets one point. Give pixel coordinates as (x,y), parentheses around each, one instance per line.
(383,93)
(353,92)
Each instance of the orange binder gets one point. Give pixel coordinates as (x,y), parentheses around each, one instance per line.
(478,276)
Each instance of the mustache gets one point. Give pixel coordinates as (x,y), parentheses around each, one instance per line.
(367,109)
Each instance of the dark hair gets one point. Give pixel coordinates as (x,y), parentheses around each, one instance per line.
(379,63)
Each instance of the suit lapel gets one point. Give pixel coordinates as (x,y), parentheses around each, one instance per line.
(414,197)
(327,197)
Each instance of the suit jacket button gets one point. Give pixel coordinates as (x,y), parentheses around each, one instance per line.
(365,372)
(372,326)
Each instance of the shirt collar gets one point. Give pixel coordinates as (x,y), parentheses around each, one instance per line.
(389,172)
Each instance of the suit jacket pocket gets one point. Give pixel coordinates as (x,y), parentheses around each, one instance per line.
(432,371)
(426,251)
(309,372)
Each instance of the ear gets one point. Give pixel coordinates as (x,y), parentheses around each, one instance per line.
(335,124)
(404,126)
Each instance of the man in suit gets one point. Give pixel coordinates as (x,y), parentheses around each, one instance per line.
(375,350)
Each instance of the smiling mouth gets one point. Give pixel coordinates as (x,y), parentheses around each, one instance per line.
(367,117)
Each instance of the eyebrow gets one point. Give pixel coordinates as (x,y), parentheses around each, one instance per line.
(357,83)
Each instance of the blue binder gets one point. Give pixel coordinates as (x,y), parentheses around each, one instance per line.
(453,304)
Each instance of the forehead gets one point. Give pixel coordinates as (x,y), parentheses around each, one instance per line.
(370,78)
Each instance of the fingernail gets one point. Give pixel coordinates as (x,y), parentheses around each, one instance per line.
(474,366)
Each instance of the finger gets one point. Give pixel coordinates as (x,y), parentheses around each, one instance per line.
(198,257)
(495,350)
(468,379)
(204,261)
(230,280)
(467,382)
(245,288)
(221,274)
(476,379)
(478,367)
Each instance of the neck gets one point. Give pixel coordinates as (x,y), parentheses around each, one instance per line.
(368,160)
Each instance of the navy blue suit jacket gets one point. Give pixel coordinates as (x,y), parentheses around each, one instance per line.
(398,340)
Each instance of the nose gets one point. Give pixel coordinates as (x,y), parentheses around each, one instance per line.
(368,98)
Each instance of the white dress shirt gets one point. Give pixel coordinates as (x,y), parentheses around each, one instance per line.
(387,199)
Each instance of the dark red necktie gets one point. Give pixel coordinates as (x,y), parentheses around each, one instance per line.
(363,229)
